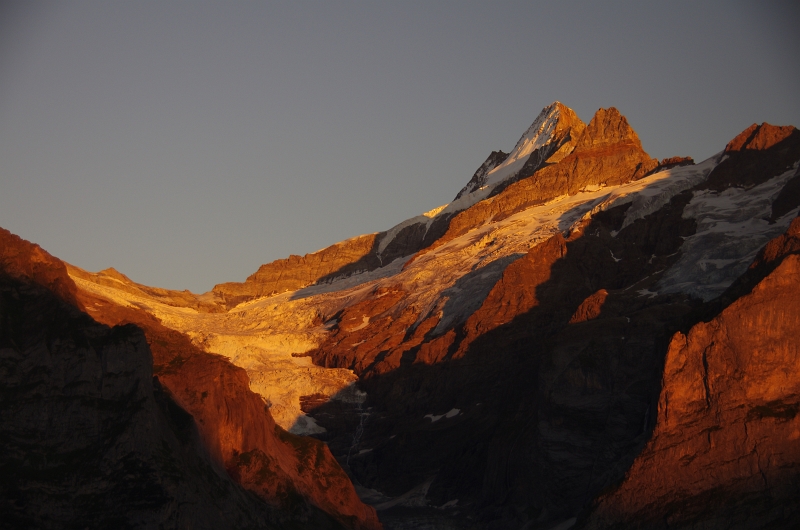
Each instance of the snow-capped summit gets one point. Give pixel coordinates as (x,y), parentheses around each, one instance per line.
(551,137)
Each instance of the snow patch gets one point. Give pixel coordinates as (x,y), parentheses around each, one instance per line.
(305,425)
(364,323)
(538,135)
(732,226)
(450,414)
(566,524)
(416,497)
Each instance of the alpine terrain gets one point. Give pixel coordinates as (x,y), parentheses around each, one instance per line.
(585,337)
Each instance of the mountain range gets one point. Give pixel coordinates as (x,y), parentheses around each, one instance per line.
(585,337)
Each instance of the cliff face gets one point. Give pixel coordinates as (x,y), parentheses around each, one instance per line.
(553,135)
(726,448)
(22,260)
(480,177)
(541,397)
(755,155)
(85,416)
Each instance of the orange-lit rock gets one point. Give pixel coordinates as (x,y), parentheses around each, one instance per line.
(296,272)
(759,137)
(726,448)
(590,308)
(24,260)
(237,427)
(757,154)
(607,152)
(516,292)
(234,423)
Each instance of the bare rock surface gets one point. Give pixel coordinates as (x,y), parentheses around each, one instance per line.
(726,442)
(608,152)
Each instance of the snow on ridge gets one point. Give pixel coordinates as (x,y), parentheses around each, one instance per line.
(650,193)
(732,226)
(392,232)
(450,414)
(673,182)
(460,204)
(538,135)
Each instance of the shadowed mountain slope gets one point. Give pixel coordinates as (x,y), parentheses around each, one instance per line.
(92,437)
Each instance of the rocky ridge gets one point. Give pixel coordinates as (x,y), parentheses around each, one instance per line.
(551,137)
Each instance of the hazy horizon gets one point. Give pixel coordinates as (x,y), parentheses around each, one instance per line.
(185,144)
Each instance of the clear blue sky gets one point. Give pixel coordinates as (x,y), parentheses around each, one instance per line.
(186,143)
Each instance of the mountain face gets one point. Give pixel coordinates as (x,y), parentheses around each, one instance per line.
(585,337)
(95,434)
(728,429)
(550,138)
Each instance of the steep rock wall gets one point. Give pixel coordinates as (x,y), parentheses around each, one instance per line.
(726,448)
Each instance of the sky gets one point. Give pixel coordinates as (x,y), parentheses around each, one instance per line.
(185,143)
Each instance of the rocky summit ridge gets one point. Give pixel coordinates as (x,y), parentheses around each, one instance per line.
(550,138)
(585,337)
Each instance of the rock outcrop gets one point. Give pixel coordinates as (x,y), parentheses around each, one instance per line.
(295,272)
(552,136)
(671,162)
(725,452)
(235,424)
(756,154)
(543,397)
(479,179)
(26,261)
(112,278)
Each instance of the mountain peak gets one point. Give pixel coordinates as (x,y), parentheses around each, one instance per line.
(759,137)
(550,138)
(608,127)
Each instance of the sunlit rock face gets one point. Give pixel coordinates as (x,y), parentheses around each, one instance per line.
(261,337)
(726,447)
(551,137)
(296,272)
(498,361)
(607,152)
